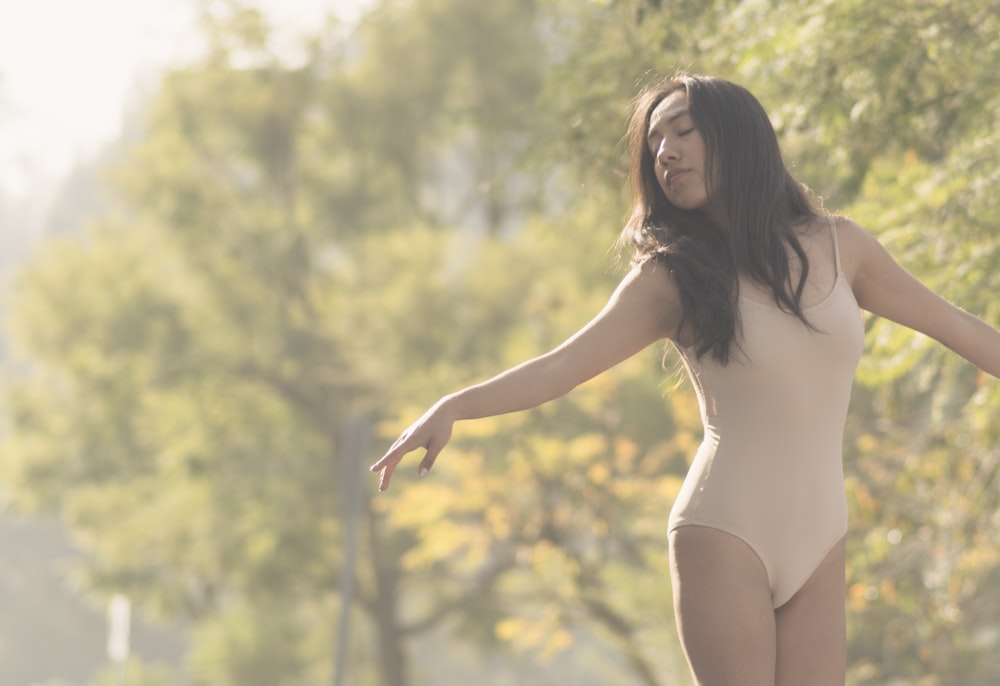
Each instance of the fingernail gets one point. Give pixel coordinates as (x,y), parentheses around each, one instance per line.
(422,471)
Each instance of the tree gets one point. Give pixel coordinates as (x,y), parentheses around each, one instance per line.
(195,358)
(397,214)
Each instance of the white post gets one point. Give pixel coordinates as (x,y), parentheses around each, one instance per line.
(119,620)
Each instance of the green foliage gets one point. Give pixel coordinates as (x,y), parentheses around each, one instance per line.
(926,468)
(525,514)
(566,506)
(848,82)
(923,563)
(135,673)
(263,644)
(146,412)
(412,208)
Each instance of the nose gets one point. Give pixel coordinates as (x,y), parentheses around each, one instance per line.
(666,152)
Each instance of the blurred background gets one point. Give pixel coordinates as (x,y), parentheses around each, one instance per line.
(243,244)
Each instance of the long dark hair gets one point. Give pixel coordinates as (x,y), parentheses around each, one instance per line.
(753,194)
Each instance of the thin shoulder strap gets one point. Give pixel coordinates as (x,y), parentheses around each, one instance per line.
(836,243)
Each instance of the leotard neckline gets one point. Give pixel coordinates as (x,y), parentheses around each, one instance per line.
(819,303)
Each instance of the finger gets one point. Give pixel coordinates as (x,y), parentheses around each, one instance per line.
(406,443)
(433,450)
(394,455)
(386,476)
(380,464)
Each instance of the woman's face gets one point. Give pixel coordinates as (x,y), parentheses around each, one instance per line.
(678,153)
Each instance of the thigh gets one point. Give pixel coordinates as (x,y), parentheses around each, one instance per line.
(812,640)
(722,603)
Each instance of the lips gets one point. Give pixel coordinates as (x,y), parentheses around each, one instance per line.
(675,174)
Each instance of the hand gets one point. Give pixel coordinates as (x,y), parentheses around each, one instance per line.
(431,432)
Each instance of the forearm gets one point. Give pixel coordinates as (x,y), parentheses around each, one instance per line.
(645,308)
(527,385)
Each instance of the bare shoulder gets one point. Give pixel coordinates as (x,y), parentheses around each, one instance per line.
(655,280)
(879,283)
(856,245)
(652,287)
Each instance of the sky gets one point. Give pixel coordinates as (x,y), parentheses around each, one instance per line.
(67,68)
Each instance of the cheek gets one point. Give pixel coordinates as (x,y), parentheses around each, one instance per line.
(707,168)
(661,182)
(655,172)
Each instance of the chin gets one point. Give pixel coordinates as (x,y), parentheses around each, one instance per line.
(689,204)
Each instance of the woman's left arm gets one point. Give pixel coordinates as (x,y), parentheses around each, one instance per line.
(884,288)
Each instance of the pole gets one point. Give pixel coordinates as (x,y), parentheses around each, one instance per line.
(119,621)
(355,451)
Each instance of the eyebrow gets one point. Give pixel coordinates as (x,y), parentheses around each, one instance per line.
(678,115)
(670,120)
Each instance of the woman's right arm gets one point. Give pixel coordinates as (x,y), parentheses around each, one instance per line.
(644,308)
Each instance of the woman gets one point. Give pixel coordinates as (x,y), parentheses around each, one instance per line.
(760,294)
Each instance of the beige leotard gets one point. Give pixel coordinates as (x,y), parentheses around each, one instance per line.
(769,470)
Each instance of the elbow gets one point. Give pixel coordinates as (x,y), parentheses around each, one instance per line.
(559,377)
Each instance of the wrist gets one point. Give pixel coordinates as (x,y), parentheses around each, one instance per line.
(451,406)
